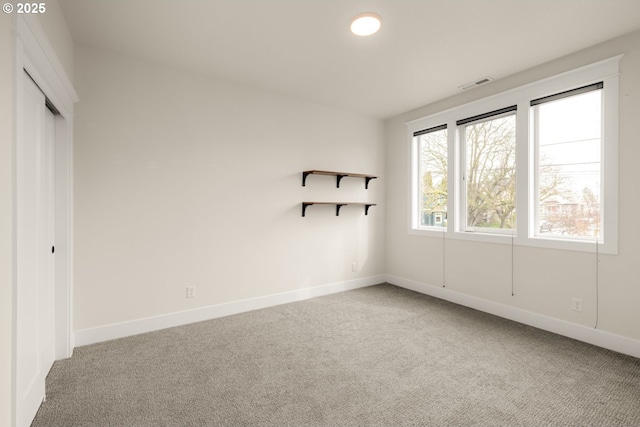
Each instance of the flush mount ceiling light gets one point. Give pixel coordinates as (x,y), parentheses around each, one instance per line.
(365,24)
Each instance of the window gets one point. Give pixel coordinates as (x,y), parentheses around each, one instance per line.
(534,166)
(568,144)
(490,170)
(432,176)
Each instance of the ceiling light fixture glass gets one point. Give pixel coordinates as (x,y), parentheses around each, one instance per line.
(365,24)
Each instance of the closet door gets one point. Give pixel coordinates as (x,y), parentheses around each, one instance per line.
(35,293)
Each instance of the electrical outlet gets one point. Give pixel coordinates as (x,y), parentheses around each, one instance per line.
(191,291)
(354,267)
(576,304)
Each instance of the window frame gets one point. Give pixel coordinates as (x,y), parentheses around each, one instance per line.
(606,71)
(463,202)
(535,140)
(416,189)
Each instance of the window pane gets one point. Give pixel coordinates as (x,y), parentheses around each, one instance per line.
(432,175)
(569,147)
(491,173)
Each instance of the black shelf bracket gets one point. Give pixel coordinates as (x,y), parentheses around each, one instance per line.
(338,179)
(304,178)
(338,206)
(304,207)
(366,208)
(366,181)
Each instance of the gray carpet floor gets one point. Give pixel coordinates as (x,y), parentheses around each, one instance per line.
(377,356)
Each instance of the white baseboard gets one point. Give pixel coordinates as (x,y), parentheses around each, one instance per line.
(149,324)
(561,327)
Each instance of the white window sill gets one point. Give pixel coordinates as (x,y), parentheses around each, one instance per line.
(507,239)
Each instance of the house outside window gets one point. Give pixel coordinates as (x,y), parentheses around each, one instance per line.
(568,147)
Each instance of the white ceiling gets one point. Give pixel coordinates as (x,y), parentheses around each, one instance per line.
(424,51)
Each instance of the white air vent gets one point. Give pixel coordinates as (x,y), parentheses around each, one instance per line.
(475,83)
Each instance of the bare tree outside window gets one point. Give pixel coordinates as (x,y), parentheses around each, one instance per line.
(568,171)
(432,148)
(490,176)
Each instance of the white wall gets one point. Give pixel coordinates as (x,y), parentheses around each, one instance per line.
(55,27)
(6,213)
(544,280)
(185,180)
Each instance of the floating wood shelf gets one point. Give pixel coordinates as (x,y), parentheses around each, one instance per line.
(338,206)
(338,175)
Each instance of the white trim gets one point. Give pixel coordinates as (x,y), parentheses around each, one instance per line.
(572,330)
(64,237)
(44,66)
(610,164)
(149,324)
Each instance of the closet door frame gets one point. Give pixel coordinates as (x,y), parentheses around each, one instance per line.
(35,55)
